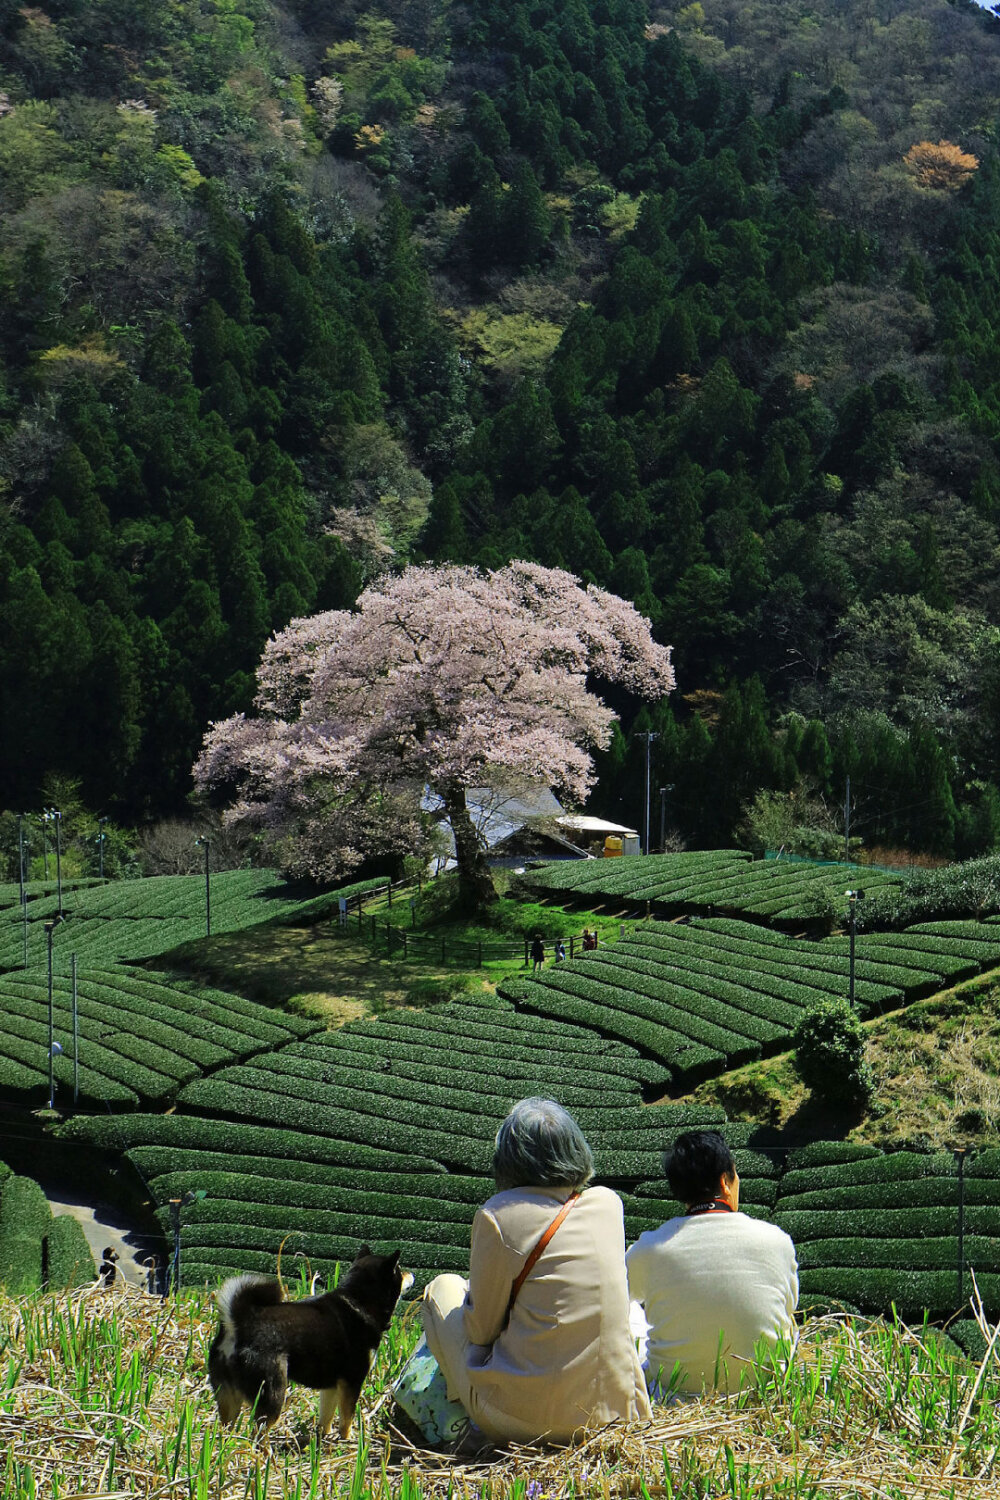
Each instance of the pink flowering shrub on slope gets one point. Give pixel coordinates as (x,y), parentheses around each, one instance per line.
(441,677)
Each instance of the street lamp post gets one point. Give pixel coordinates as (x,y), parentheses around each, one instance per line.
(663,814)
(207,842)
(50,928)
(24,893)
(53,815)
(649,736)
(853,897)
(100,844)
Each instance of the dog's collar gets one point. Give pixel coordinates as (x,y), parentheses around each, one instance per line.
(365,1317)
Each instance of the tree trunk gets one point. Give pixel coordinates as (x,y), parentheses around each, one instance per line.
(475,883)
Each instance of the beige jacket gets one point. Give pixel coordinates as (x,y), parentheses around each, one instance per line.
(567,1359)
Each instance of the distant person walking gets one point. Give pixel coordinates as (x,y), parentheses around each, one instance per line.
(559,951)
(537,953)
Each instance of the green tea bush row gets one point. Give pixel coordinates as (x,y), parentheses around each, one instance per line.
(451,1254)
(158,1161)
(10,890)
(412,1060)
(817,964)
(829,1153)
(270,1194)
(70,1262)
(25,1220)
(675,1051)
(228,1223)
(704,970)
(886,1223)
(911,1292)
(925,1254)
(236,1028)
(933,1191)
(503,1027)
(895,1166)
(209,1134)
(690,992)
(246,1018)
(575,981)
(583,1069)
(245,1102)
(356,1105)
(583,874)
(483,1092)
(231,1261)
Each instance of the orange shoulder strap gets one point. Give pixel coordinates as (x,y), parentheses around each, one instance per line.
(530,1263)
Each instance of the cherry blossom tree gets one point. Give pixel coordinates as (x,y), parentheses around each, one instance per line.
(442,678)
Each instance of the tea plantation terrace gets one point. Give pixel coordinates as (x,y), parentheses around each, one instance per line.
(383,1129)
(714,993)
(725,880)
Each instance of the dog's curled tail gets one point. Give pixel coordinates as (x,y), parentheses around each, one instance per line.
(241,1293)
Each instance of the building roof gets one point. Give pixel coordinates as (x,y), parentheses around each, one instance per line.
(583,823)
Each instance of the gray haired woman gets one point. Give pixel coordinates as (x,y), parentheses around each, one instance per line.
(548,1353)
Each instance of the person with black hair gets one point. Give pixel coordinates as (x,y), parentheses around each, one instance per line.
(711,1282)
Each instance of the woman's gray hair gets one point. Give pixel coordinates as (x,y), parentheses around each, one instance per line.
(541,1145)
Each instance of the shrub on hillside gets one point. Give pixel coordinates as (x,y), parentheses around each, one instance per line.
(830,1054)
(69,1261)
(25,1220)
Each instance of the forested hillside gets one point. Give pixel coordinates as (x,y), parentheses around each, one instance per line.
(697,301)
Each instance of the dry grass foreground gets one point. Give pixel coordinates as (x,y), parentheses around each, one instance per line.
(103,1395)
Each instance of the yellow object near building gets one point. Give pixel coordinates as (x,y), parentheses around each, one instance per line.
(612,846)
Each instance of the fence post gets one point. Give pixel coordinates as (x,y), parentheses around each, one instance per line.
(404,942)
(390,895)
(361,920)
(571,942)
(597,937)
(479,953)
(526,953)
(443,941)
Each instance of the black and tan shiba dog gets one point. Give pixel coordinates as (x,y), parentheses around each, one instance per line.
(327,1342)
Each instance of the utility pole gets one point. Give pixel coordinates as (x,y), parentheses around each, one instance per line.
(847,823)
(100,844)
(207,842)
(649,737)
(50,928)
(663,814)
(76,1039)
(24,893)
(53,815)
(853,897)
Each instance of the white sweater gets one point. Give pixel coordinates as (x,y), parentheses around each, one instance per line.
(712,1285)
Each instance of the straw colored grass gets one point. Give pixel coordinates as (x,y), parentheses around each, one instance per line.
(103,1395)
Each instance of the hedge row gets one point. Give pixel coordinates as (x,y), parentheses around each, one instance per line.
(36,1249)
(157,1161)
(682,1056)
(227,1223)
(243,1102)
(208,1134)
(661,869)
(586,1070)
(273,1196)
(690,992)
(727,880)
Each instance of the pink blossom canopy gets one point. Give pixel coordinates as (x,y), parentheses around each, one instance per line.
(445,677)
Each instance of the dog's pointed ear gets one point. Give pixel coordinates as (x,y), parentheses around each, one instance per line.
(364,1250)
(395,1257)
